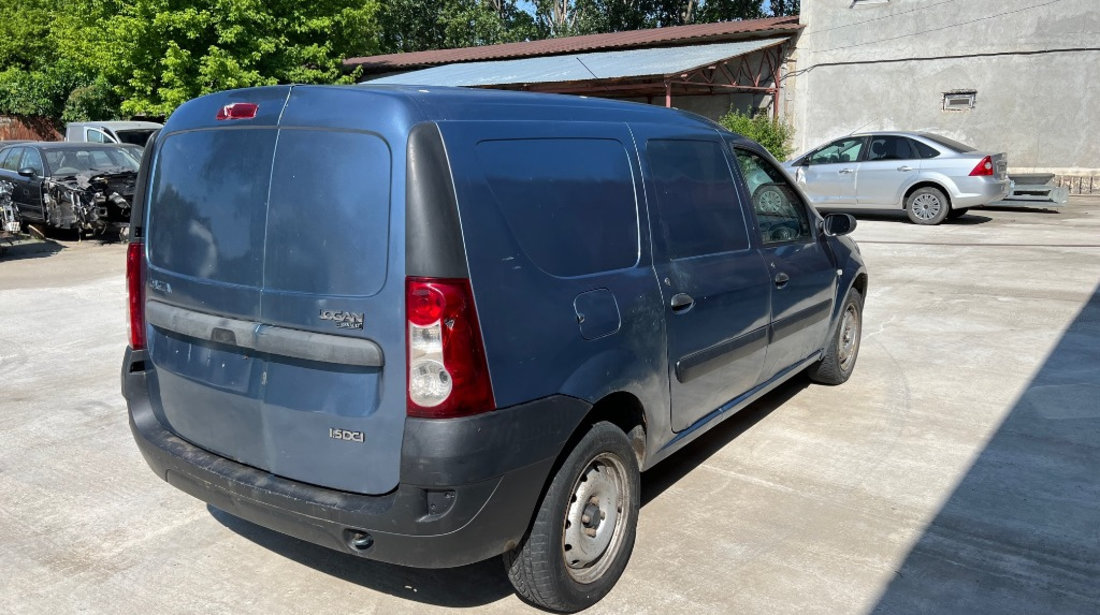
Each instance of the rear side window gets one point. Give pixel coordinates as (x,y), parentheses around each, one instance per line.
(208,204)
(569,203)
(925,151)
(696,198)
(950,144)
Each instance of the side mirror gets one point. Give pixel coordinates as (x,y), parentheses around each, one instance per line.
(27,172)
(839,224)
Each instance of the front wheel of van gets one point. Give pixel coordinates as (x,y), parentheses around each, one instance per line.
(583,532)
(840,355)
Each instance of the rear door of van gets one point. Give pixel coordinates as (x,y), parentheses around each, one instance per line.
(274,325)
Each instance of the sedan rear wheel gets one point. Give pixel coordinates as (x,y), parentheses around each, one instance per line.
(927,206)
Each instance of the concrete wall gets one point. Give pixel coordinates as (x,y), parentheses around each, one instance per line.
(876,64)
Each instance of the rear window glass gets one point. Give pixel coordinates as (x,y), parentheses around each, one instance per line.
(207,207)
(325,230)
(569,203)
(328,228)
(951,144)
(699,210)
(135,137)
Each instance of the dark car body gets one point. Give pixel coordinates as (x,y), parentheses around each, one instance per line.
(614,265)
(80,186)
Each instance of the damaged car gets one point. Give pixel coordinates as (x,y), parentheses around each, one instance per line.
(81,187)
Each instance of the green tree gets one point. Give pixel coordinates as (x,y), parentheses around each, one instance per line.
(43,61)
(775,135)
(169,51)
(785,7)
(726,10)
(416,25)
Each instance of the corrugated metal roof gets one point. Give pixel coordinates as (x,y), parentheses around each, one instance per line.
(672,35)
(579,67)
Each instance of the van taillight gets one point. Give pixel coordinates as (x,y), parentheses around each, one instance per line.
(985,167)
(135,287)
(448,375)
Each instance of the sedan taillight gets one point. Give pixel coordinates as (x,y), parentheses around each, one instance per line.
(985,167)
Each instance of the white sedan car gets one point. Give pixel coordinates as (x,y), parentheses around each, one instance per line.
(931,177)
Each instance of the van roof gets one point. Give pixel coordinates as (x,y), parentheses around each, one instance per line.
(407,105)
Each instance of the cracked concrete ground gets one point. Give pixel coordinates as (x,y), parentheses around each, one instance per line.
(956,472)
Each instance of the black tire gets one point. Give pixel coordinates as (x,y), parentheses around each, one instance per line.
(539,568)
(843,349)
(927,206)
(955,214)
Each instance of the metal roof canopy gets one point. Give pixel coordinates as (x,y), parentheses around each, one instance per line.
(690,69)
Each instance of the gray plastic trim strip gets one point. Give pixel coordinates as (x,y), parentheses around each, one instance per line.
(270,339)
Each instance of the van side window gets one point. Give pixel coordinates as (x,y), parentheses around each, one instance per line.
(696,198)
(96,136)
(779,212)
(569,203)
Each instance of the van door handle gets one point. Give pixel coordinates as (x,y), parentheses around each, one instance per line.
(781,279)
(905,168)
(681,302)
(846,171)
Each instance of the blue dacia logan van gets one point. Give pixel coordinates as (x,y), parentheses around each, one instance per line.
(433,326)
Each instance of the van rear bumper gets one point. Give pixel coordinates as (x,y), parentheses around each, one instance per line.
(469,486)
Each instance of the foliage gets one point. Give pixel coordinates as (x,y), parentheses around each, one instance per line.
(572,17)
(774,135)
(785,7)
(416,25)
(175,50)
(71,60)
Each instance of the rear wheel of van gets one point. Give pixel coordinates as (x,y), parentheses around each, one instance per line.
(840,355)
(583,532)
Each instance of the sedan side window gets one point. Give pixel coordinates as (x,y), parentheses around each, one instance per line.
(889,147)
(11,163)
(32,159)
(780,213)
(844,150)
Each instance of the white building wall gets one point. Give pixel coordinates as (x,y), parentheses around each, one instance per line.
(886,64)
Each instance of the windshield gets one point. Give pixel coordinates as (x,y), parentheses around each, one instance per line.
(135,137)
(78,161)
(961,148)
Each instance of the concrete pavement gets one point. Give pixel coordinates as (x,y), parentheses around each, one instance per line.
(955,472)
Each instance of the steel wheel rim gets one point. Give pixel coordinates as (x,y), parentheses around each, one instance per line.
(595,518)
(926,206)
(848,342)
(771,200)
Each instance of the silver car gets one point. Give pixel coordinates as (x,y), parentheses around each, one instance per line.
(932,178)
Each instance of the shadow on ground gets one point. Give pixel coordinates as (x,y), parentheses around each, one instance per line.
(22,249)
(970,219)
(1021,532)
(485,582)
